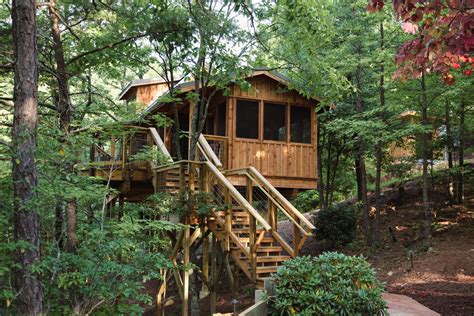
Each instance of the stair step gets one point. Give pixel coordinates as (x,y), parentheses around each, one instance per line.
(269,249)
(263,270)
(264,240)
(272,258)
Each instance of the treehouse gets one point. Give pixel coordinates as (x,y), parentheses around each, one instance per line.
(267,127)
(258,144)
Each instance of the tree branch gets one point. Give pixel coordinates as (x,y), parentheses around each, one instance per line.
(5,143)
(108,46)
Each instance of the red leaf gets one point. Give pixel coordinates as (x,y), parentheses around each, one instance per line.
(409,28)
(375,5)
(448,79)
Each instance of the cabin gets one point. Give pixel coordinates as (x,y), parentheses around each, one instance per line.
(258,147)
(268,126)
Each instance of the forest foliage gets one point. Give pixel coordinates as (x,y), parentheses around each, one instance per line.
(366,62)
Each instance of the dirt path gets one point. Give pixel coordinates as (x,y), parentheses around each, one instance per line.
(442,277)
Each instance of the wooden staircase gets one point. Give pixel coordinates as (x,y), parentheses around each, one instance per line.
(249,236)
(268,253)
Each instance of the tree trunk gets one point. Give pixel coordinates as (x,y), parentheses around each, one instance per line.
(175,128)
(459,185)
(334,173)
(64,103)
(328,174)
(378,148)
(65,114)
(71,225)
(319,156)
(425,143)
(58,225)
(26,220)
(449,145)
(360,162)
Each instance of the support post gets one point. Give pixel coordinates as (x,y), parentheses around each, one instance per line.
(205,265)
(182,176)
(185,309)
(214,274)
(121,206)
(230,274)
(296,236)
(272,215)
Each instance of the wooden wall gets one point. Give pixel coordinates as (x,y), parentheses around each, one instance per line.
(286,164)
(147,94)
(265,88)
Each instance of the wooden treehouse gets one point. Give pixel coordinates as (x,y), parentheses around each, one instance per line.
(259,145)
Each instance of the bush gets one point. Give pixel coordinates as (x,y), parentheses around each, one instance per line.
(336,224)
(331,284)
(306,201)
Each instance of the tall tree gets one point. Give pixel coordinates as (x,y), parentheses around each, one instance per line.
(459,183)
(63,106)
(378,146)
(216,60)
(26,220)
(425,143)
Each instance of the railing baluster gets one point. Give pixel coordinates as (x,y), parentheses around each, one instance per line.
(228,218)
(252,233)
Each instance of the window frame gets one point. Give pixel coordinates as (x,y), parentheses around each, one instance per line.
(259,120)
(311,119)
(287,134)
(288,106)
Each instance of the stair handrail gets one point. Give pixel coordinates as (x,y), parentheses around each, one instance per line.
(155,136)
(103,152)
(226,183)
(280,198)
(236,195)
(273,194)
(208,152)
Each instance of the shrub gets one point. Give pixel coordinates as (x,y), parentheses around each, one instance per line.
(306,201)
(336,224)
(331,284)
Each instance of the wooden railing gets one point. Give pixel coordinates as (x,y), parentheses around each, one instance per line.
(206,152)
(219,145)
(120,149)
(302,227)
(210,176)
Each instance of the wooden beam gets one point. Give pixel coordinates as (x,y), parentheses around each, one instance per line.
(272,216)
(296,235)
(194,236)
(213,274)
(185,308)
(160,144)
(205,266)
(230,274)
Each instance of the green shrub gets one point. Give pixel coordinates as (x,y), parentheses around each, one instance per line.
(336,224)
(306,201)
(331,284)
